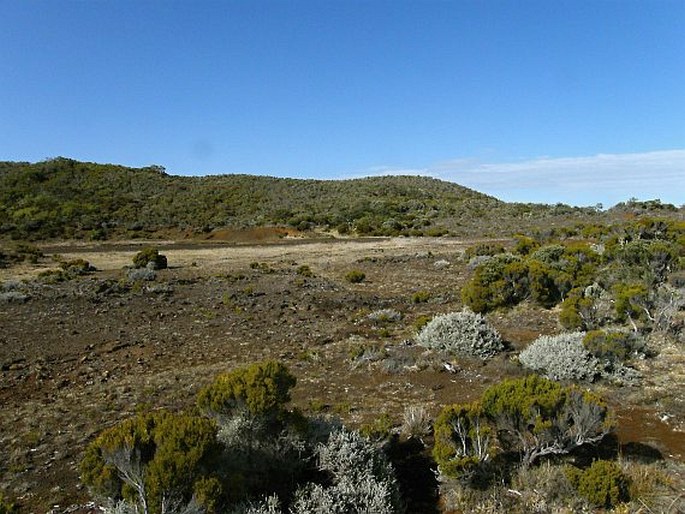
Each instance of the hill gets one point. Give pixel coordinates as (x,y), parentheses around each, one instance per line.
(64,198)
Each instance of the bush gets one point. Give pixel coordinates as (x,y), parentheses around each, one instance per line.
(480,249)
(586,308)
(496,283)
(603,483)
(262,389)
(151,258)
(461,333)
(155,462)
(305,271)
(525,245)
(137,274)
(7,507)
(613,346)
(629,301)
(355,277)
(384,316)
(13,297)
(535,417)
(421,296)
(77,267)
(362,479)
(561,357)
(463,440)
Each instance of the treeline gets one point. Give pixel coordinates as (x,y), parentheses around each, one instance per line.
(64,198)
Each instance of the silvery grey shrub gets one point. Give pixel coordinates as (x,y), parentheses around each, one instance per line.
(462,333)
(363,481)
(561,357)
(136,274)
(384,316)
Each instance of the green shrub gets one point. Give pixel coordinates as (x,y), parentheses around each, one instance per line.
(629,301)
(525,245)
(6,506)
(535,416)
(421,296)
(576,310)
(305,271)
(379,429)
(262,389)
(483,249)
(547,285)
(495,283)
(355,277)
(603,483)
(150,257)
(463,439)
(461,333)
(612,345)
(153,458)
(77,267)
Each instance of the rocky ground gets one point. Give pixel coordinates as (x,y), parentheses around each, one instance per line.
(79,355)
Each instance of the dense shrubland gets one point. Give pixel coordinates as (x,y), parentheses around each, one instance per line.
(240,450)
(64,198)
(627,275)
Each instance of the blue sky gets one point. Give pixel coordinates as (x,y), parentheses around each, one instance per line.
(579,102)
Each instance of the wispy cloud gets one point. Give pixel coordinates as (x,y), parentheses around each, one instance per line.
(602,178)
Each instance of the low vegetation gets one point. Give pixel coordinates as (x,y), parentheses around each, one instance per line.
(64,198)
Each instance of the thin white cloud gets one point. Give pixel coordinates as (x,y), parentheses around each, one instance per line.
(602,178)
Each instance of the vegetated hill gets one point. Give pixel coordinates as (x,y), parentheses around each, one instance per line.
(64,198)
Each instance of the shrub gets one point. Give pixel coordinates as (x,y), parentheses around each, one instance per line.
(480,249)
(525,245)
(547,285)
(495,283)
(586,308)
(461,333)
(7,507)
(305,271)
(137,274)
(362,479)
(613,346)
(154,461)
(13,297)
(561,357)
(355,277)
(383,316)
(421,296)
(262,389)
(416,422)
(463,440)
(603,483)
(77,266)
(535,416)
(151,258)
(629,301)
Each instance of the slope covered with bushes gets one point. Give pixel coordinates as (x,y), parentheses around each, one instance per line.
(64,198)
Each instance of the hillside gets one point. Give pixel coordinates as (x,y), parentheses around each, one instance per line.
(64,198)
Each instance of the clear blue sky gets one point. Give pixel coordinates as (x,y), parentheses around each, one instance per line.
(578,102)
